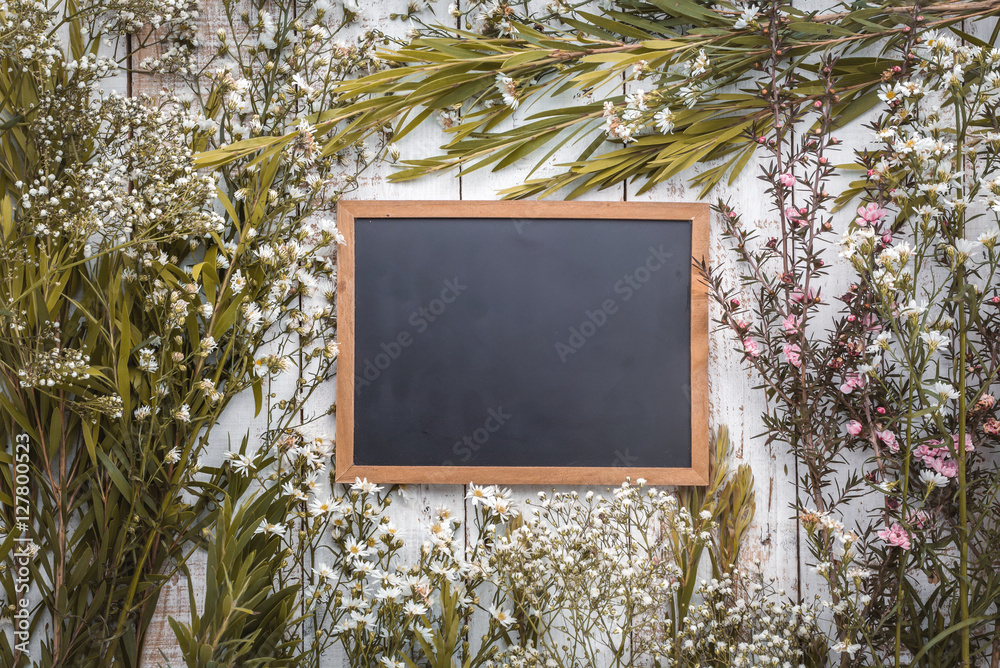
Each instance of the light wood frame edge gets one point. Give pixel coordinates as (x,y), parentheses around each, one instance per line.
(347,471)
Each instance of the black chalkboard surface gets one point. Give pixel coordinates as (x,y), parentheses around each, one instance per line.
(521,342)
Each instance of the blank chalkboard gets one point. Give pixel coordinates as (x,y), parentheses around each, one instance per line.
(521,342)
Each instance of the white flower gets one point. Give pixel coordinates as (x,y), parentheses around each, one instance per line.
(845,646)
(357,549)
(614,126)
(268,528)
(290,489)
(700,64)
(268,31)
(388,593)
(913,309)
(989,237)
(933,479)
(508,90)
(365,486)
(414,609)
(502,616)
(389,663)
(945,391)
(888,94)
(933,340)
(240,463)
(480,494)
(881,342)
(237,282)
(636,100)
(173,456)
(147,360)
(319,507)
(328,228)
(664,120)
(142,412)
(183,414)
(965,249)
(324,572)
(748,15)
(253,317)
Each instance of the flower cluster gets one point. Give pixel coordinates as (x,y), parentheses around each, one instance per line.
(54,367)
(902,373)
(747,624)
(600,571)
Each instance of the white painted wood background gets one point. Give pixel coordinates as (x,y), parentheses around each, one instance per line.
(774,537)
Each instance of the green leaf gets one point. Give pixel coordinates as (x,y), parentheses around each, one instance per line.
(90,440)
(971,621)
(116,475)
(124,351)
(258,395)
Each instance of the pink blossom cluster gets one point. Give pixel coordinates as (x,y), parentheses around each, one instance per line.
(889,439)
(852,382)
(793,354)
(919,518)
(796,216)
(869,215)
(938,458)
(896,535)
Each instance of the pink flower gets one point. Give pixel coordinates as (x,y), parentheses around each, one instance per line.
(889,439)
(919,518)
(793,354)
(751,348)
(854,428)
(938,459)
(895,535)
(852,382)
(790,324)
(800,296)
(947,467)
(870,214)
(968,442)
(787,180)
(923,453)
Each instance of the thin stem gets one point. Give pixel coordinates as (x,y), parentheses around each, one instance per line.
(963,515)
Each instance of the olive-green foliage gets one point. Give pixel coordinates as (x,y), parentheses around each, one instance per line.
(245,617)
(645,43)
(123,338)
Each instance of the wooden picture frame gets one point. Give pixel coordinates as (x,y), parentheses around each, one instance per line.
(348,471)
